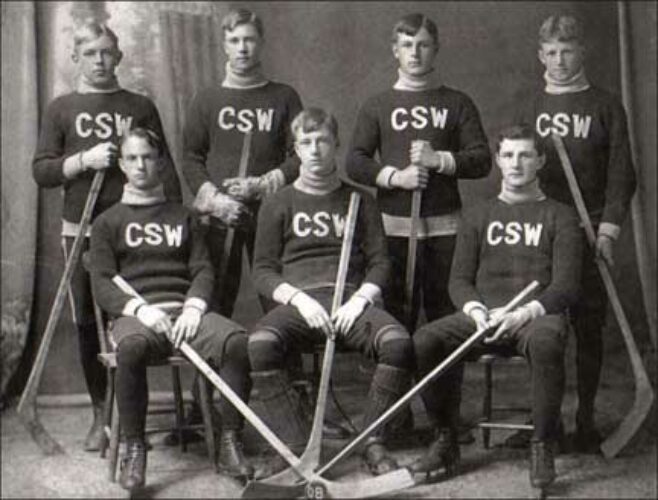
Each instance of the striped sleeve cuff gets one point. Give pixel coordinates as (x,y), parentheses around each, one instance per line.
(448,163)
(609,229)
(203,202)
(131,306)
(471,305)
(536,309)
(196,303)
(284,293)
(370,292)
(383,179)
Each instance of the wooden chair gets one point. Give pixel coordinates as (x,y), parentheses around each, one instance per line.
(486,422)
(107,357)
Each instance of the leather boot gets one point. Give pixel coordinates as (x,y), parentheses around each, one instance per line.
(282,414)
(133,466)
(388,385)
(442,453)
(96,432)
(542,463)
(231,460)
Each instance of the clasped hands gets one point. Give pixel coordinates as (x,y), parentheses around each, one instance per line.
(184,328)
(507,323)
(316,316)
(422,159)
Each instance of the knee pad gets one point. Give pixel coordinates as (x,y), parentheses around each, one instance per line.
(132,350)
(395,348)
(265,351)
(236,350)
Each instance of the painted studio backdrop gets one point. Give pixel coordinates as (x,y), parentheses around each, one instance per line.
(335,54)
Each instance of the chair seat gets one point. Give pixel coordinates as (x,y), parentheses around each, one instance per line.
(109,360)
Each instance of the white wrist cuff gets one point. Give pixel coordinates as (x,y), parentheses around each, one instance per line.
(609,229)
(196,303)
(284,293)
(203,202)
(383,179)
(536,309)
(448,163)
(73,166)
(471,305)
(130,309)
(370,292)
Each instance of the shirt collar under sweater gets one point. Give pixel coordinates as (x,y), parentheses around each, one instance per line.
(251,80)
(529,193)
(314,184)
(141,197)
(416,83)
(577,83)
(84,87)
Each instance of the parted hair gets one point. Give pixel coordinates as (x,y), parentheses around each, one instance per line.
(412,24)
(314,119)
(148,135)
(237,17)
(562,28)
(91,30)
(520,131)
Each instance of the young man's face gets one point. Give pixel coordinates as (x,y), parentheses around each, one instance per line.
(98,60)
(562,60)
(317,151)
(243,45)
(141,163)
(415,54)
(519,162)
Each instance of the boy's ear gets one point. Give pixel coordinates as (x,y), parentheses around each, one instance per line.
(119,56)
(74,57)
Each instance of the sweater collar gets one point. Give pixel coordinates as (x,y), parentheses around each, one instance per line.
(251,80)
(577,83)
(414,83)
(133,196)
(528,193)
(84,87)
(314,184)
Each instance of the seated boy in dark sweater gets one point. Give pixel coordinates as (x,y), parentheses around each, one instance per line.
(502,245)
(158,248)
(297,253)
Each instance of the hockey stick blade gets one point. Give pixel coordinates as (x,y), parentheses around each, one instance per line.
(644,396)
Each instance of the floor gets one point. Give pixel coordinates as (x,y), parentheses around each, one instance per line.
(497,472)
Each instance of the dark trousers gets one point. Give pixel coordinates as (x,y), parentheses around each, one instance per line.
(82,311)
(434,258)
(542,342)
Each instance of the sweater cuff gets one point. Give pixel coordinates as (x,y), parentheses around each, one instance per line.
(284,293)
(271,182)
(73,166)
(196,303)
(370,292)
(536,309)
(609,229)
(130,309)
(448,163)
(473,304)
(383,179)
(203,202)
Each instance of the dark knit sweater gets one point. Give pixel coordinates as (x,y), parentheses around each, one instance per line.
(502,247)
(299,239)
(592,124)
(216,122)
(76,122)
(389,122)
(159,249)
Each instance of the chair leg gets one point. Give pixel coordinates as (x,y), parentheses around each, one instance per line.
(178,406)
(107,412)
(487,403)
(114,442)
(205,401)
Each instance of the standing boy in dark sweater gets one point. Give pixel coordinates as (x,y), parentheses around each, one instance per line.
(158,248)
(298,246)
(592,124)
(502,245)
(79,135)
(427,136)
(217,121)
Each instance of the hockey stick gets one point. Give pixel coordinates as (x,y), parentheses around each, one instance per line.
(455,356)
(310,458)
(370,487)
(230,231)
(416,199)
(27,406)
(643,391)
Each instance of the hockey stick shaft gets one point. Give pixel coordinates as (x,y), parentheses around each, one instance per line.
(643,391)
(412,247)
(27,406)
(455,356)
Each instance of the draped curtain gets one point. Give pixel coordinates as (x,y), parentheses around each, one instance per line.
(335,54)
